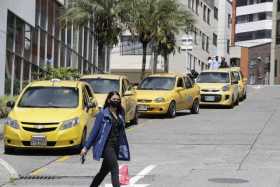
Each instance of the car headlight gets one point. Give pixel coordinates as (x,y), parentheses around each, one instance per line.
(70,123)
(226,88)
(159,99)
(12,123)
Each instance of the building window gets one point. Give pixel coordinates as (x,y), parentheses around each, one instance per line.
(207,44)
(278,5)
(254,17)
(189,4)
(216,13)
(275,68)
(203,41)
(228,44)
(208,16)
(229,20)
(215,39)
(260,34)
(195,35)
(132,46)
(196,6)
(250,2)
(204,13)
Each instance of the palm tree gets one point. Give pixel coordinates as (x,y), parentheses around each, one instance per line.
(141,16)
(174,19)
(104,15)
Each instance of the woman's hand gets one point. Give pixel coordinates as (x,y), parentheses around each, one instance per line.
(84,151)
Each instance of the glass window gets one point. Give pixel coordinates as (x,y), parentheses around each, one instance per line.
(8,73)
(215,39)
(103,85)
(50,97)
(51,16)
(180,83)
(26,73)
(157,83)
(44,4)
(49,50)
(42,48)
(213,77)
(62,55)
(17,75)
(85,42)
(55,58)
(68,58)
(34,72)
(27,42)
(19,37)
(34,46)
(278,32)
(208,16)
(216,13)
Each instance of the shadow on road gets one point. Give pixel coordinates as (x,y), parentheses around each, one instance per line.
(43,152)
(214,107)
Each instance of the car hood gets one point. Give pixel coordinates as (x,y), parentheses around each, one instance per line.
(43,115)
(212,86)
(152,94)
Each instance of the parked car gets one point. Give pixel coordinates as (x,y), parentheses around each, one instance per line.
(242,83)
(218,87)
(50,114)
(102,84)
(167,93)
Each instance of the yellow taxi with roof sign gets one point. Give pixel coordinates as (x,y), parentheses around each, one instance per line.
(50,114)
(167,93)
(102,84)
(218,87)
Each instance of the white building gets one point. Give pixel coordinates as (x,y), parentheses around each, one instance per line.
(253,22)
(210,33)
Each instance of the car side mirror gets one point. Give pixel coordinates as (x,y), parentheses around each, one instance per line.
(10,104)
(128,93)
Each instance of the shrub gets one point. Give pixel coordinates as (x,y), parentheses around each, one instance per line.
(4,110)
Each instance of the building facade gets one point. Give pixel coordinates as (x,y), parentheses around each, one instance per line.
(210,35)
(32,38)
(253,22)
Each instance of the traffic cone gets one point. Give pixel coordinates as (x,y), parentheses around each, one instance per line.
(123,174)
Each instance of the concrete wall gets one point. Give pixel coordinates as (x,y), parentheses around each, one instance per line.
(25,9)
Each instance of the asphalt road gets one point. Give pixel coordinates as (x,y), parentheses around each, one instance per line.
(218,147)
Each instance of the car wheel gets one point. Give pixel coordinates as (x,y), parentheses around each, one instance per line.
(195,107)
(172,110)
(232,103)
(134,121)
(9,150)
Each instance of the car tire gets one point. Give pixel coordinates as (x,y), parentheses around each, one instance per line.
(134,121)
(172,110)
(9,150)
(195,107)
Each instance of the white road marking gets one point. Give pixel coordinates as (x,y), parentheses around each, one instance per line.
(13,173)
(136,178)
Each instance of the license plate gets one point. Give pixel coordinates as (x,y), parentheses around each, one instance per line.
(209,98)
(142,107)
(38,141)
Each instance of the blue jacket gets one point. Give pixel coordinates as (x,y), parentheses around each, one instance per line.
(99,135)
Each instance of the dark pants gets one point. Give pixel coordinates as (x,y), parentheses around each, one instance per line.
(109,164)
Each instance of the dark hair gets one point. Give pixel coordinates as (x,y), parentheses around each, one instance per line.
(120,110)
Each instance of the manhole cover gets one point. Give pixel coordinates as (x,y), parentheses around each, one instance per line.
(228,180)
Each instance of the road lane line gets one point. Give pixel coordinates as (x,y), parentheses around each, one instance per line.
(62,159)
(38,171)
(13,173)
(141,174)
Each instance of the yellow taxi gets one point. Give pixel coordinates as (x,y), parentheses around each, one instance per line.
(242,83)
(167,93)
(218,87)
(102,84)
(50,114)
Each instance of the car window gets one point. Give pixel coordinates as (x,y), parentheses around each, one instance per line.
(85,98)
(157,83)
(188,82)
(100,85)
(233,78)
(236,75)
(124,86)
(213,77)
(50,97)
(180,82)
(88,90)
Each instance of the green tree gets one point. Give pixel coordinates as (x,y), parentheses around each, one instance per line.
(174,20)
(104,14)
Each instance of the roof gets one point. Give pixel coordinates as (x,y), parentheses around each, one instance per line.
(56,83)
(104,76)
(165,75)
(222,70)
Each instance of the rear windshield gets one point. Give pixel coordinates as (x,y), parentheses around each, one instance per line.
(103,85)
(50,97)
(213,77)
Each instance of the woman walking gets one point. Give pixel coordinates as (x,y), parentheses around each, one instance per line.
(109,140)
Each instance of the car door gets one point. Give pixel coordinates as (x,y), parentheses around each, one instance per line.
(190,93)
(180,94)
(87,113)
(92,100)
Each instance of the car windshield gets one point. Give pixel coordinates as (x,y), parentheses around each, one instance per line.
(50,97)
(213,77)
(157,83)
(103,85)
